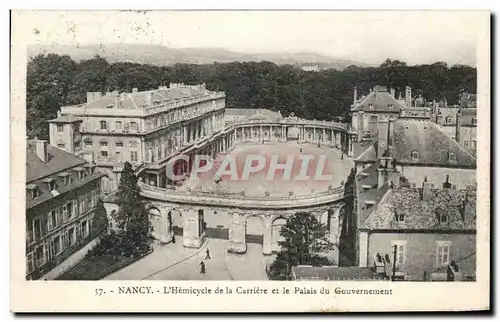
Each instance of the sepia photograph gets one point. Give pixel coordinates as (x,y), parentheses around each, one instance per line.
(253,148)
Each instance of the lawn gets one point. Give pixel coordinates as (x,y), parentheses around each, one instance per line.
(97,267)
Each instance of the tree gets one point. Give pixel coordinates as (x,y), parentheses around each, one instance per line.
(132,218)
(100,221)
(305,243)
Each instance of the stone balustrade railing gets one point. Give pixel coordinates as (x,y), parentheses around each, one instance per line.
(344,126)
(240,199)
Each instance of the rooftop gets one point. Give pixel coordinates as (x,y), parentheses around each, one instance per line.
(253,114)
(65,119)
(58,161)
(458,205)
(379,100)
(433,146)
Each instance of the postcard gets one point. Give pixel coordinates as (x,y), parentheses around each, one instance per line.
(250,161)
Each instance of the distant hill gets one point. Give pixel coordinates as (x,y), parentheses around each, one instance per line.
(163,55)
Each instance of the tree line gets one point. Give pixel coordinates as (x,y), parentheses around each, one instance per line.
(57,80)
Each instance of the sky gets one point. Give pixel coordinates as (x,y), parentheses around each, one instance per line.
(412,36)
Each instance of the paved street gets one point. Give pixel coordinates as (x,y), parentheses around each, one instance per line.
(174,262)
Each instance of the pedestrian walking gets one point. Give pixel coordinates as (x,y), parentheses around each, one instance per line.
(202,268)
(173,239)
(208,255)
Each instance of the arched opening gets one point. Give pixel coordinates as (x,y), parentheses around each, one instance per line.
(293,133)
(158,225)
(177,222)
(254,230)
(276,235)
(202,225)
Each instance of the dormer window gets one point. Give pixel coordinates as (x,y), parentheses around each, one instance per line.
(443,219)
(66,178)
(370,106)
(400,218)
(448,120)
(80,173)
(452,157)
(414,155)
(474,121)
(390,106)
(32,191)
(51,183)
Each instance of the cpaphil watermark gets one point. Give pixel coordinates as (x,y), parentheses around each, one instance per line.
(302,168)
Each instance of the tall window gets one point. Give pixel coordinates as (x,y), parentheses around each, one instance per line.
(60,128)
(30,263)
(103,125)
(414,155)
(71,236)
(400,247)
(443,253)
(118,125)
(134,126)
(69,206)
(133,156)
(466,143)
(448,120)
(84,228)
(52,220)
(40,257)
(452,157)
(55,246)
(37,227)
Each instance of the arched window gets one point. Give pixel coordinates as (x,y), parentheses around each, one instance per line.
(414,155)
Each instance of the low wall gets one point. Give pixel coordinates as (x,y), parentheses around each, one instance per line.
(70,261)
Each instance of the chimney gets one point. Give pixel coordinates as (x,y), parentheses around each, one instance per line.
(41,150)
(408,96)
(390,131)
(383,127)
(458,125)
(58,114)
(393,92)
(426,190)
(134,90)
(355,95)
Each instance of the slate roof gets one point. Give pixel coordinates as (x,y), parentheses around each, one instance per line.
(459,205)
(65,119)
(253,113)
(380,98)
(369,154)
(137,100)
(59,161)
(332,273)
(431,143)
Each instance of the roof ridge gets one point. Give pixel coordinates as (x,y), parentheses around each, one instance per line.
(377,206)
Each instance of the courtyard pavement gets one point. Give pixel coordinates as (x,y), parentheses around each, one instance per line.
(175,262)
(335,166)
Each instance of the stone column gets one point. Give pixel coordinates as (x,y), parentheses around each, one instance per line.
(267,236)
(335,233)
(337,140)
(324,135)
(251,133)
(261,135)
(332,138)
(237,230)
(165,233)
(350,147)
(193,234)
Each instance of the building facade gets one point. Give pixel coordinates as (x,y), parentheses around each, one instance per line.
(143,128)
(61,194)
(406,176)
